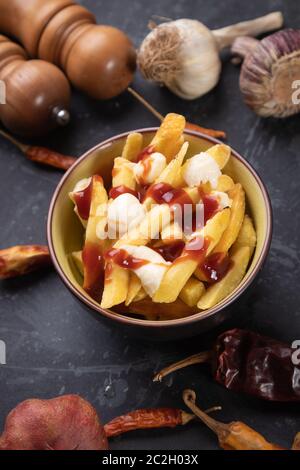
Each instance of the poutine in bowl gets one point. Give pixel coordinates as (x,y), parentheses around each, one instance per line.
(160,230)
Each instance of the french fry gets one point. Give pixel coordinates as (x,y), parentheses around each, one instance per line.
(168,138)
(134,287)
(192,291)
(122,174)
(83,188)
(133,146)
(199,274)
(94,245)
(172,232)
(220,153)
(237,216)
(77,259)
(183,267)
(19,260)
(172,172)
(225,184)
(156,219)
(246,236)
(219,291)
(115,285)
(141,295)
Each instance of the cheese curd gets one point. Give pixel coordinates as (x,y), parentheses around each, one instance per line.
(147,170)
(152,272)
(201,168)
(124,213)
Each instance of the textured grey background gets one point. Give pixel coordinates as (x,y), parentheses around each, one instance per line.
(54,347)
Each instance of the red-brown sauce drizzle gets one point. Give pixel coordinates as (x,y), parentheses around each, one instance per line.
(216,266)
(196,249)
(164,193)
(93,270)
(171,251)
(83,201)
(118,190)
(124,259)
(145,153)
(211,206)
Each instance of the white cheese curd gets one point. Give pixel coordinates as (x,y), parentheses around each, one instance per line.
(147,170)
(223,199)
(151,273)
(201,168)
(124,213)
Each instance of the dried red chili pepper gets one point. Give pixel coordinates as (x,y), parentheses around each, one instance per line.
(49,157)
(247,362)
(19,260)
(232,436)
(147,419)
(41,154)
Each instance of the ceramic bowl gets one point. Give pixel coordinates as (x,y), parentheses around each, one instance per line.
(65,235)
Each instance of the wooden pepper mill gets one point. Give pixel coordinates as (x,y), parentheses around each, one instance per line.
(37,93)
(99,60)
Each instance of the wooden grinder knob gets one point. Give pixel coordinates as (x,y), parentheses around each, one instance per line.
(99,60)
(37,94)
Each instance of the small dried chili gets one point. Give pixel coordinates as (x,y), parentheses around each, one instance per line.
(147,419)
(232,436)
(247,362)
(49,157)
(19,260)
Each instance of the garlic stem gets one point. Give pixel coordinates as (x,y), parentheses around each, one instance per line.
(225,36)
(244,45)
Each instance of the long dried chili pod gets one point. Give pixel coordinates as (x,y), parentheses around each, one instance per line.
(244,361)
(42,155)
(150,418)
(22,259)
(232,436)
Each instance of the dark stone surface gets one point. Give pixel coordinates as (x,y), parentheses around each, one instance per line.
(54,347)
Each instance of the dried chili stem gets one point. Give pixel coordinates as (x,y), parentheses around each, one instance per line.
(199,358)
(41,154)
(189,125)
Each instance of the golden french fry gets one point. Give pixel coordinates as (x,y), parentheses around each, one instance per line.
(225,184)
(199,274)
(134,287)
(246,236)
(122,174)
(23,259)
(183,267)
(229,283)
(172,173)
(115,285)
(237,216)
(77,259)
(172,232)
(82,187)
(220,153)
(169,136)
(192,291)
(156,219)
(133,146)
(94,246)
(141,295)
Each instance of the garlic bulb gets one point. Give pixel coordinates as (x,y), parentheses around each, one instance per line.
(184,54)
(270,69)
